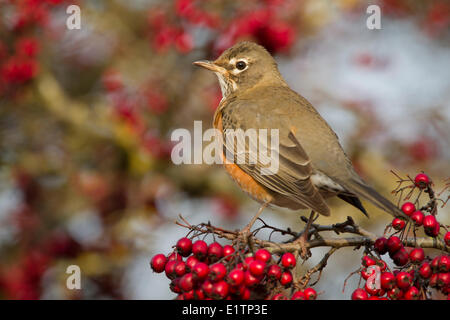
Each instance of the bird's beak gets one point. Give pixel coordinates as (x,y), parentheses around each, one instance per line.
(210,66)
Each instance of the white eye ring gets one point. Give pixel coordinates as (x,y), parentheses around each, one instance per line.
(234,62)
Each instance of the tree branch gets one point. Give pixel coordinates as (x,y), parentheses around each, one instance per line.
(365,239)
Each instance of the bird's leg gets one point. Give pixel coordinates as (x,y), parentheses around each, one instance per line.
(255,217)
(245,232)
(303,239)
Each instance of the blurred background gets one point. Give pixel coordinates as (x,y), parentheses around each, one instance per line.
(86,116)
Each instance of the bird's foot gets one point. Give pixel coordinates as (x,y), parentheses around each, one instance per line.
(304,237)
(304,251)
(243,236)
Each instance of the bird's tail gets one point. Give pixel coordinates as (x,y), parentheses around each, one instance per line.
(362,190)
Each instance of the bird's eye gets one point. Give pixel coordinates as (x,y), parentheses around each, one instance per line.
(241,65)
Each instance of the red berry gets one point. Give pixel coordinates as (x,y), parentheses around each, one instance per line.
(175,285)
(189,295)
(215,252)
(422,181)
(28,47)
(247,262)
(444,263)
(404,280)
(236,277)
(431,226)
(245,295)
(365,273)
(200,249)
(373,298)
(191,262)
(217,272)
(381,246)
(174,256)
(286,278)
(446,291)
(200,271)
(418,217)
(425,270)
(263,255)
(18,70)
(417,255)
(310,294)
(443,279)
(371,288)
(207,287)
(240,292)
(394,244)
(401,257)
(395,293)
(257,268)
(187,282)
(220,290)
(274,272)
(398,224)
(359,294)
(183,42)
(179,268)
(298,295)
(234,290)
(382,264)
(288,260)
(447,238)
(228,251)
(412,294)
(429,221)
(435,264)
(368,261)
(408,208)
(170,269)
(436,230)
(184,246)
(250,280)
(279,296)
(158,263)
(387,280)
(434,280)
(199,294)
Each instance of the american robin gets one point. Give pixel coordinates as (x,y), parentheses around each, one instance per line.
(312,164)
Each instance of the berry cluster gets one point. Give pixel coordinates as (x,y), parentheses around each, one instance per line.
(133,106)
(221,272)
(429,223)
(410,283)
(420,217)
(416,273)
(19,62)
(265,23)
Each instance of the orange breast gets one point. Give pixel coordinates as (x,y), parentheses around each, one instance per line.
(244,180)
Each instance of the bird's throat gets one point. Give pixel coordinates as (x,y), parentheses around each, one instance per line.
(227,86)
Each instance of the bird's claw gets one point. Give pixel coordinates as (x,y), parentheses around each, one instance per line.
(305,253)
(243,236)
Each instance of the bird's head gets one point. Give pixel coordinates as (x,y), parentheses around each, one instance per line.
(242,67)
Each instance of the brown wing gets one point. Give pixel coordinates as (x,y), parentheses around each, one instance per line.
(292,177)
(317,144)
